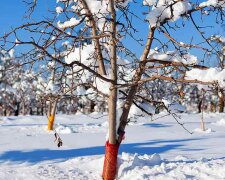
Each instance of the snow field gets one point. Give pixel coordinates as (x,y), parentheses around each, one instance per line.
(157,150)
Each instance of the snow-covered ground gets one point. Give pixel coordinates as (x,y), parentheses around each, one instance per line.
(151,150)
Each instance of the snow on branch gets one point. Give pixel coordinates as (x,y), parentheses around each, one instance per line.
(207,75)
(213,3)
(172,56)
(163,11)
(218,38)
(70,23)
(166,9)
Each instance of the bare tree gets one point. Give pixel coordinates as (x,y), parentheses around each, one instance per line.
(96,53)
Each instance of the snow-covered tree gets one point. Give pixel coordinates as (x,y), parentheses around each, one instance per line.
(96,36)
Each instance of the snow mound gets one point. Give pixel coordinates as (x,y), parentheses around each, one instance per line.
(90,167)
(152,167)
(199,130)
(79,113)
(181,158)
(221,122)
(128,162)
(62,129)
(147,160)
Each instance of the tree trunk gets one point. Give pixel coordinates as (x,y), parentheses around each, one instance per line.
(51,117)
(112,146)
(212,107)
(42,109)
(37,111)
(16,113)
(133,89)
(200,106)
(49,108)
(5,112)
(97,45)
(110,161)
(202,123)
(221,100)
(31,111)
(23,108)
(202,109)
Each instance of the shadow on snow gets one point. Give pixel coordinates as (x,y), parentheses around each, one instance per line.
(38,155)
(156,125)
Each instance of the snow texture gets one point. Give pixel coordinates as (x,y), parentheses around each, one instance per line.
(81,54)
(221,123)
(149,2)
(207,75)
(172,56)
(199,130)
(218,38)
(70,23)
(151,150)
(165,9)
(62,129)
(213,3)
(102,85)
(59,9)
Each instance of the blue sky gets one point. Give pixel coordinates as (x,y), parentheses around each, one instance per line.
(12,14)
(13,11)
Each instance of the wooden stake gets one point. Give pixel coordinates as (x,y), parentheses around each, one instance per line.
(202,118)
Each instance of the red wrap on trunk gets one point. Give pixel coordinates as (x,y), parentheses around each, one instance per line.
(110,163)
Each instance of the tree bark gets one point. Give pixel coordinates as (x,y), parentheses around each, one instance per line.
(5,112)
(221,100)
(112,145)
(202,110)
(31,110)
(199,106)
(51,117)
(42,109)
(17,111)
(133,89)
(97,45)
(49,108)
(23,108)
(212,107)
(113,90)
(111,160)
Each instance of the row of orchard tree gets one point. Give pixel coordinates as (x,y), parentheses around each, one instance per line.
(125,57)
(49,90)
(26,91)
